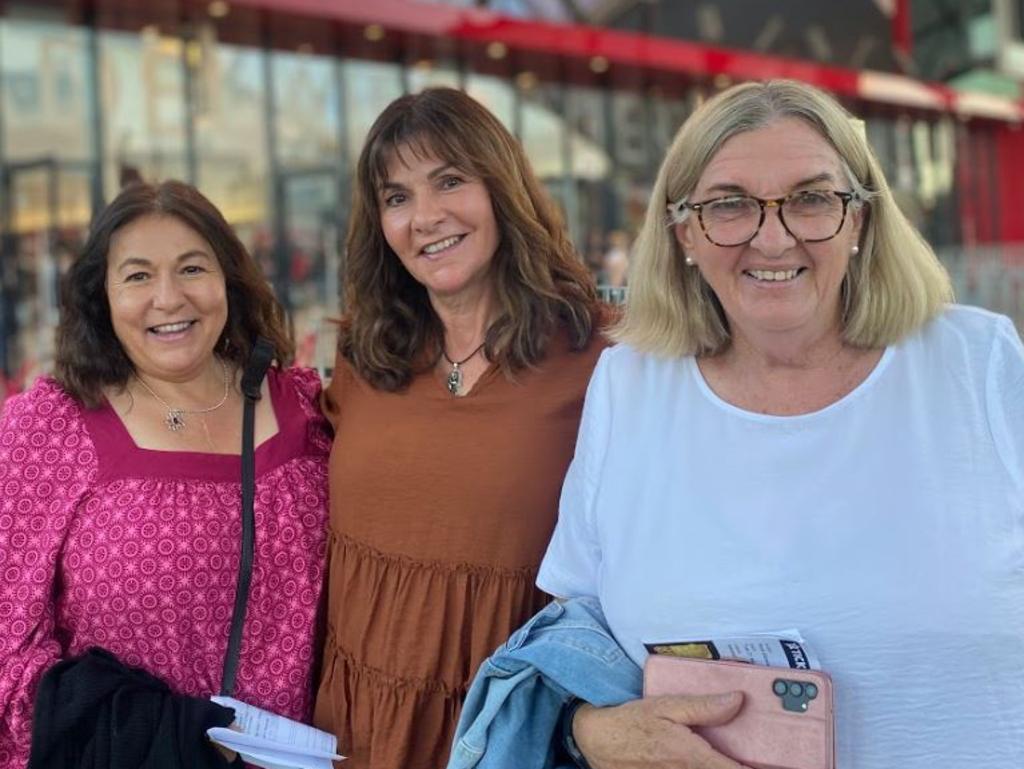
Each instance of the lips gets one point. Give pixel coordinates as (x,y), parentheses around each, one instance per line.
(440,246)
(171,328)
(774,276)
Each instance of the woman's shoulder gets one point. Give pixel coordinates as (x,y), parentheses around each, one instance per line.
(45,425)
(299,387)
(970,332)
(44,403)
(625,360)
(966,320)
(304,389)
(303,380)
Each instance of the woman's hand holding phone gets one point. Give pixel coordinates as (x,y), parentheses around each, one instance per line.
(654,733)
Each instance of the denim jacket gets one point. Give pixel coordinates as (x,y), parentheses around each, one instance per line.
(511,716)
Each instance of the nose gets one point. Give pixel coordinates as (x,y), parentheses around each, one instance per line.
(427,212)
(773,239)
(167,293)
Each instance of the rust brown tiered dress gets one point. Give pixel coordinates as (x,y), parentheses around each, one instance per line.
(441,509)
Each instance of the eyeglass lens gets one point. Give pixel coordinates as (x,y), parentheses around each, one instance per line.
(809,216)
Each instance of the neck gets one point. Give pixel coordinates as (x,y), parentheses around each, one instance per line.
(769,351)
(196,389)
(465,321)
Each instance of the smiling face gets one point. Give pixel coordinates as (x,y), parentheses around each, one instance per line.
(167,296)
(440,222)
(774,283)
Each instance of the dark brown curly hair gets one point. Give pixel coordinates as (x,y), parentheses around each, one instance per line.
(390,330)
(89,354)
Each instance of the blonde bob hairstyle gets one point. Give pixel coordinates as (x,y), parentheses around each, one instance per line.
(892,287)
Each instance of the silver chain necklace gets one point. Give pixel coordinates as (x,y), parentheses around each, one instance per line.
(175,419)
(454,380)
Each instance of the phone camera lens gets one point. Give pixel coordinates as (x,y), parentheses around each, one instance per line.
(795,689)
(779,687)
(811,690)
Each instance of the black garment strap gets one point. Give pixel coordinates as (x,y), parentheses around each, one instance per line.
(252,380)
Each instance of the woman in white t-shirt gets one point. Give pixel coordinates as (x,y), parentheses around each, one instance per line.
(797,430)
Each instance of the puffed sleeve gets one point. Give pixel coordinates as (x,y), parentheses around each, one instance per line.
(309,388)
(47,463)
(1005,399)
(571,565)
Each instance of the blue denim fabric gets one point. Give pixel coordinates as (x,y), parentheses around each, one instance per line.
(511,715)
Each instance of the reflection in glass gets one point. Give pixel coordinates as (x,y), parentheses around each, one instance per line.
(312,236)
(230,129)
(496,94)
(143,106)
(427,74)
(369,87)
(45,90)
(307,109)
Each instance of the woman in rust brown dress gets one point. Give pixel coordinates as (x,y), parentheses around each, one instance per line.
(470,335)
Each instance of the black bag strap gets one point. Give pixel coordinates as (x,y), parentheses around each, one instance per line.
(252,381)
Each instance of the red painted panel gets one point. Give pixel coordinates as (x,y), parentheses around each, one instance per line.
(572,41)
(1011,182)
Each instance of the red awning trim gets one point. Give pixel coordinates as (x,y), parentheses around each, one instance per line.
(641,51)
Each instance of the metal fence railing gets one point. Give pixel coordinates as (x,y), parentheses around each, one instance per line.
(989,276)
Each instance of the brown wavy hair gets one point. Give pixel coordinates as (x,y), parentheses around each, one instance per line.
(390,330)
(89,354)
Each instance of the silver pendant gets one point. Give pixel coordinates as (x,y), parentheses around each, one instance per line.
(175,420)
(455,380)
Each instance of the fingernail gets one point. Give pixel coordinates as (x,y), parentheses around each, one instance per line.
(729,698)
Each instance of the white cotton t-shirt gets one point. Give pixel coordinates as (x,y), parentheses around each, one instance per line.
(887,527)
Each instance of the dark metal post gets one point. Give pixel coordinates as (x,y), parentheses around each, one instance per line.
(344,177)
(6,240)
(96,195)
(189,88)
(278,180)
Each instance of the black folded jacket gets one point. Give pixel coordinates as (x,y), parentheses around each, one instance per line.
(93,712)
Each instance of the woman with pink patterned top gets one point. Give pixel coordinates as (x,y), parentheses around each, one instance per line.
(120,476)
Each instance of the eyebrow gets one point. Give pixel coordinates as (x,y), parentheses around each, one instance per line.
(140,261)
(387,186)
(730,188)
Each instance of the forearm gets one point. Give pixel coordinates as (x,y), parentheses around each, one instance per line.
(19,680)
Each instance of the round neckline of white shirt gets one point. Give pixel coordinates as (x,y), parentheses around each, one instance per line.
(854,394)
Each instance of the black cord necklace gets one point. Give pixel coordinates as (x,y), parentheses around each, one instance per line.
(454,381)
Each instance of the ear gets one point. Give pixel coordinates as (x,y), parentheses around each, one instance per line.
(684,235)
(857,219)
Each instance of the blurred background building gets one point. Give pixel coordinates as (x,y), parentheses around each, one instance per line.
(264,105)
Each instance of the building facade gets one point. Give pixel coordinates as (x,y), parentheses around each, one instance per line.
(264,105)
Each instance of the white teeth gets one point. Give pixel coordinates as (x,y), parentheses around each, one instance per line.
(172,328)
(770,275)
(441,245)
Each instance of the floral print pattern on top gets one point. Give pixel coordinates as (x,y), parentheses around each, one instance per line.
(141,548)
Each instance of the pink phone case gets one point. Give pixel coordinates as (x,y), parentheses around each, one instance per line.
(782,724)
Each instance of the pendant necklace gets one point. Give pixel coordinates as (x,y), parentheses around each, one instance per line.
(175,419)
(454,381)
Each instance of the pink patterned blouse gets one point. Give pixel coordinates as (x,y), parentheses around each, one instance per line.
(103,543)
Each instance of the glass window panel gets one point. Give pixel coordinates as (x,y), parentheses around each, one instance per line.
(543,131)
(143,106)
(369,87)
(495,93)
(32,261)
(629,130)
(307,109)
(313,236)
(590,173)
(669,115)
(428,74)
(229,106)
(45,90)
(634,164)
